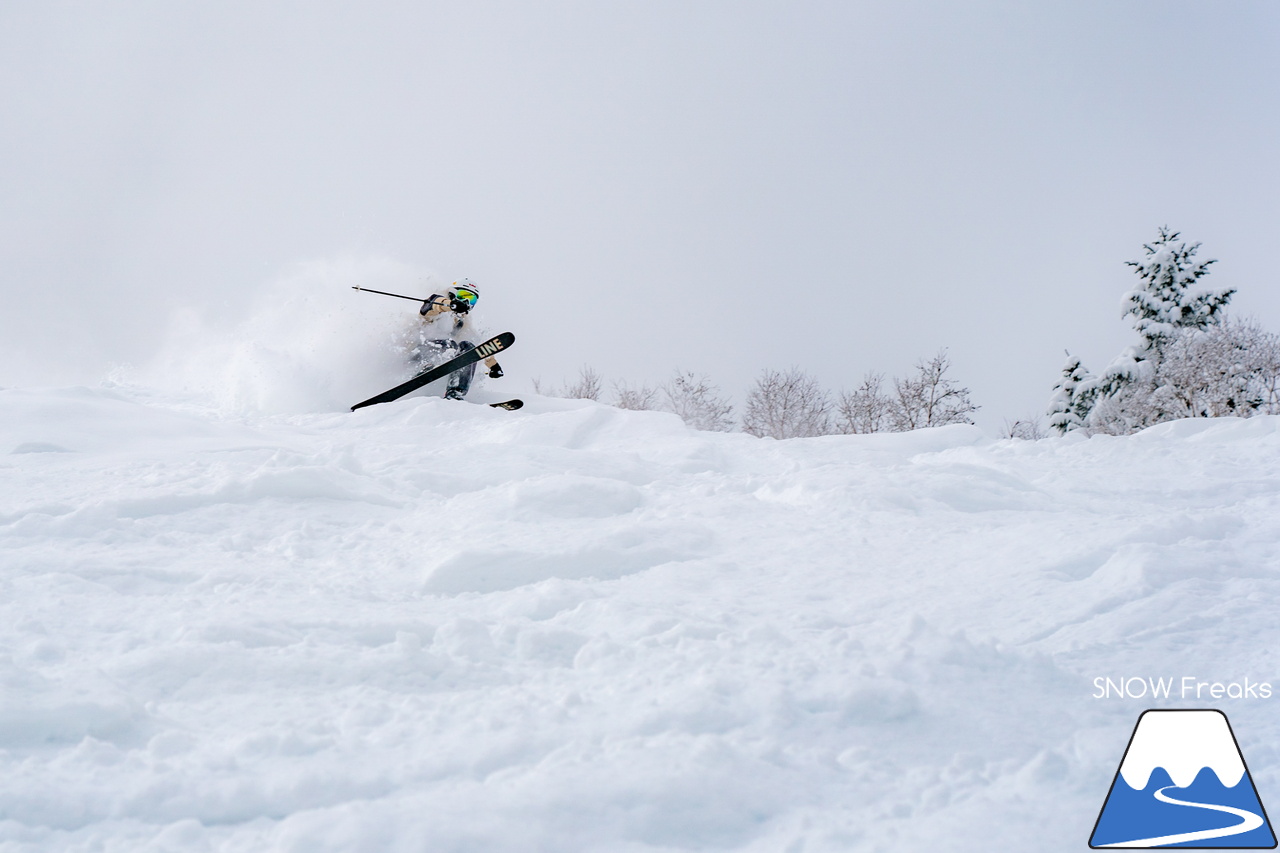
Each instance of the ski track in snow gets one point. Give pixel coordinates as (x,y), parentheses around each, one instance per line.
(435,626)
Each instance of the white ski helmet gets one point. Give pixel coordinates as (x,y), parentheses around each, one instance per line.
(465,290)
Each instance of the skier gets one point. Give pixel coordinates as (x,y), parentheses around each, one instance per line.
(447,331)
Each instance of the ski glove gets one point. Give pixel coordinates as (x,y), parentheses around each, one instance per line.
(495,372)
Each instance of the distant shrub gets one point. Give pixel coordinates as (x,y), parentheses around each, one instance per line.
(587,387)
(638,397)
(927,398)
(698,402)
(787,405)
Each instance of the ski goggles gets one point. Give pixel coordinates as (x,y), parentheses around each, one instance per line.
(462,294)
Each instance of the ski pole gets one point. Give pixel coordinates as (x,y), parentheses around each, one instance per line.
(384,293)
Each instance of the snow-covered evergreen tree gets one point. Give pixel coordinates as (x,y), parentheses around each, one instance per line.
(1167,298)
(1167,306)
(1167,303)
(1073,397)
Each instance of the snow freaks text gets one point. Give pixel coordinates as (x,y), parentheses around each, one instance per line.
(1186,687)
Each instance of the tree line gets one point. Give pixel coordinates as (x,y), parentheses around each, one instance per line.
(793,404)
(1191,360)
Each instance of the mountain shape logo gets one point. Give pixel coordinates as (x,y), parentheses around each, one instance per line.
(1182,783)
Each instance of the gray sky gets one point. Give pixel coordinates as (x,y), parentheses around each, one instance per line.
(642,186)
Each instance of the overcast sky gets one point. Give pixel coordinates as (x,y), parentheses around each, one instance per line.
(642,186)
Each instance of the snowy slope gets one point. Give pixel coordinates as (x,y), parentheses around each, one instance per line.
(431,626)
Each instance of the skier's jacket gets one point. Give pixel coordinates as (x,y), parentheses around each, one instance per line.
(434,313)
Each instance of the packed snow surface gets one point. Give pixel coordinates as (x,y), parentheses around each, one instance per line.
(437,626)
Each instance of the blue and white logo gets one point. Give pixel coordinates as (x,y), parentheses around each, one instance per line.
(1183,783)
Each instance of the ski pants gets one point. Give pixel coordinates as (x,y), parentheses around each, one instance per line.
(438,351)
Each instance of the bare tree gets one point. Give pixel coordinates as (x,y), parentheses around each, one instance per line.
(1230,369)
(787,405)
(1028,429)
(698,402)
(586,388)
(867,409)
(1266,359)
(1119,413)
(638,398)
(929,398)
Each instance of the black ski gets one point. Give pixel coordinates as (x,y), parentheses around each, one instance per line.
(509,405)
(493,346)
